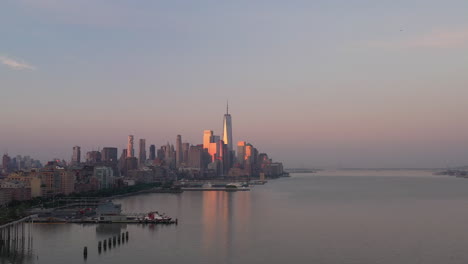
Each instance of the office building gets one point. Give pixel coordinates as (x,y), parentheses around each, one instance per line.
(93,157)
(185,153)
(195,157)
(142,152)
(241,152)
(152,154)
(178,150)
(76,157)
(130,149)
(109,154)
(207,138)
(227,129)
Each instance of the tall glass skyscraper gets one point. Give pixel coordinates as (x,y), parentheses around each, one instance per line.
(227,129)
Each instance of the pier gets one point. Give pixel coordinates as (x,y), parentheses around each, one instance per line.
(16,238)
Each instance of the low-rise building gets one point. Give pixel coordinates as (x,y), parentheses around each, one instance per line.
(30,180)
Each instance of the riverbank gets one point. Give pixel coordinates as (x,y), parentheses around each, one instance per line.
(19,209)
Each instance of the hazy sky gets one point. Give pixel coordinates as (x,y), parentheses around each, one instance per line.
(323,83)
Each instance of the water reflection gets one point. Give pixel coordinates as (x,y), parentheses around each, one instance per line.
(21,256)
(224,215)
(16,244)
(110,229)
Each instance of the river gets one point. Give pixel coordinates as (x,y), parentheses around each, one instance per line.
(343,216)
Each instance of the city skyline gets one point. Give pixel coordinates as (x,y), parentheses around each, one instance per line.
(313,83)
(162,142)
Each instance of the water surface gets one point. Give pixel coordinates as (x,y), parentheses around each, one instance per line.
(365,216)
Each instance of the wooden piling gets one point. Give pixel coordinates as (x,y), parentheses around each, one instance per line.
(85,252)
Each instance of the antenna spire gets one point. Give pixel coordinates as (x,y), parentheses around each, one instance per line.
(227,106)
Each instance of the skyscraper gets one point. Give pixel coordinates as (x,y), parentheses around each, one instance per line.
(241,152)
(109,154)
(76,158)
(227,129)
(142,152)
(130,150)
(207,138)
(152,155)
(185,153)
(195,157)
(178,151)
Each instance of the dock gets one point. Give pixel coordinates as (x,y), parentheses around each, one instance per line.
(82,211)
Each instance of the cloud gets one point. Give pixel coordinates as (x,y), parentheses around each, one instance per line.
(437,38)
(16,65)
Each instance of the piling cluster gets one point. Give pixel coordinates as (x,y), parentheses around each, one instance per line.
(109,243)
(16,237)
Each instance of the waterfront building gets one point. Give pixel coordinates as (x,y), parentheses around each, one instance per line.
(130,149)
(109,212)
(76,157)
(29,179)
(56,180)
(109,154)
(273,169)
(16,191)
(142,152)
(152,155)
(178,151)
(227,129)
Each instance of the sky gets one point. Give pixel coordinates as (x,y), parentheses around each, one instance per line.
(323,83)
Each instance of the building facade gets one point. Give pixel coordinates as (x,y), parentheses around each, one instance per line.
(142,152)
(109,154)
(76,157)
(227,129)
(178,150)
(130,149)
